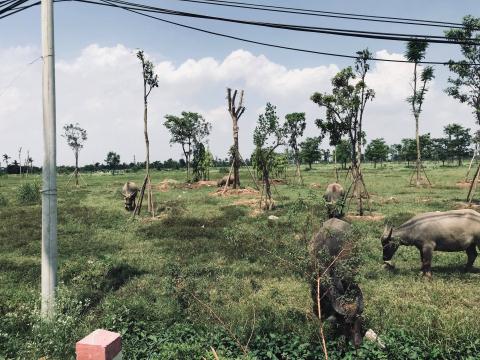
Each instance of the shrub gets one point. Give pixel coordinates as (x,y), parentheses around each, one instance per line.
(28,194)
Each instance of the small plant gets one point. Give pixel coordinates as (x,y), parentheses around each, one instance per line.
(28,193)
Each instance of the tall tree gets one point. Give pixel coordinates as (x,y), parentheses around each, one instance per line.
(343,152)
(268,136)
(465,87)
(112,161)
(440,150)
(310,150)
(76,137)
(296,124)
(150,81)
(236,111)
(377,151)
(458,141)
(345,108)
(415,53)
(187,130)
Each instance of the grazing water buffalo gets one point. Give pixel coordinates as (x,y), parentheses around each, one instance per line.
(340,297)
(224,180)
(455,230)
(334,196)
(129,192)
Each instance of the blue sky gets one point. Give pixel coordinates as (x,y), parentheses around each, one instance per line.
(85,33)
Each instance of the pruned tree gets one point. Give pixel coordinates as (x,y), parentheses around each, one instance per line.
(377,151)
(415,53)
(345,108)
(20,160)
(150,81)
(76,137)
(310,150)
(112,161)
(187,130)
(267,137)
(236,111)
(296,124)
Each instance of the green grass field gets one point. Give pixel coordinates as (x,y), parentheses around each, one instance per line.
(212,271)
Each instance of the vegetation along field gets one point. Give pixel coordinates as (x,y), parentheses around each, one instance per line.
(214,271)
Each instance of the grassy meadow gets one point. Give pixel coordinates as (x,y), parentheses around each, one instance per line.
(215,271)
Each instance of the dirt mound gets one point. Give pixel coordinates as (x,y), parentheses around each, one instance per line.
(316,186)
(235,192)
(166,185)
(371,217)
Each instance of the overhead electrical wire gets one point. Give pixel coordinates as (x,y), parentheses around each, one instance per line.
(312,29)
(328,14)
(140,9)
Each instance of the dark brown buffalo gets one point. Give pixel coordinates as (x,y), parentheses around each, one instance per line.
(340,297)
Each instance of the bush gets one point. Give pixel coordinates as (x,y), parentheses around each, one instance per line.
(28,194)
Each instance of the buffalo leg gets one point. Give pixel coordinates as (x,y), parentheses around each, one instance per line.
(427,253)
(472,255)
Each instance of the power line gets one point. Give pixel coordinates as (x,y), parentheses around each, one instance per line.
(20,73)
(139,10)
(311,29)
(328,14)
(108,3)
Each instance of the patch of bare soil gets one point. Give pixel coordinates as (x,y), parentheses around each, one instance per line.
(384,200)
(372,217)
(253,204)
(200,184)
(166,185)
(463,184)
(316,186)
(235,192)
(278,181)
(465,205)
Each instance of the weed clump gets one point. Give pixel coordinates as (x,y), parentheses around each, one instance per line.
(3,200)
(28,194)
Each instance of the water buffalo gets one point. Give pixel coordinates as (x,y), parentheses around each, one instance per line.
(129,192)
(340,297)
(455,230)
(334,197)
(224,180)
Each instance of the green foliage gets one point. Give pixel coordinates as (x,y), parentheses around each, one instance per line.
(346,104)
(201,163)
(310,150)
(458,141)
(377,151)
(150,79)
(343,151)
(28,193)
(112,161)
(296,124)
(187,130)
(75,136)
(465,87)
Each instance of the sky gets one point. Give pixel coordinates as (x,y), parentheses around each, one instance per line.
(99,83)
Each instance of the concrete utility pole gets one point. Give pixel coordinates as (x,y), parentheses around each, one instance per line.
(49,171)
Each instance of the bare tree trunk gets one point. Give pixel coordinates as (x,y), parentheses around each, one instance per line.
(76,168)
(147,161)
(236,160)
(419,164)
(235,113)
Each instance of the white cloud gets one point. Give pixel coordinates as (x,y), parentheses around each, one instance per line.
(102,90)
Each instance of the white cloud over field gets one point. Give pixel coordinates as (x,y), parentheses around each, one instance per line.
(102,90)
